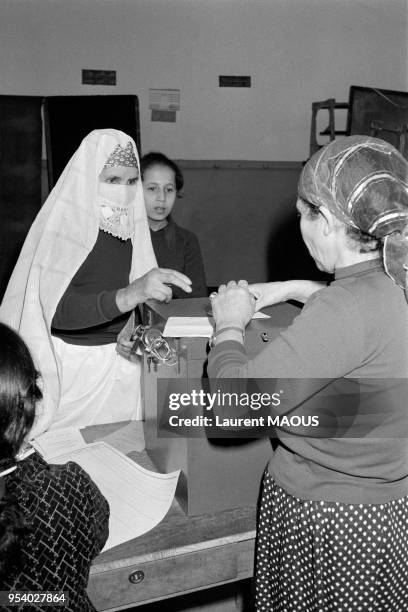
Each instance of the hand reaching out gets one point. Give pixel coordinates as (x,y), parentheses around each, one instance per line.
(268,294)
(155,284)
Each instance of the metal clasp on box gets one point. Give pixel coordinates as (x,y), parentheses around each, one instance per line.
(151,341)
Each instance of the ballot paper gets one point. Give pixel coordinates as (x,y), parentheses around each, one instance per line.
(139,499)
(54,442)
(188,327)
(194,327)
(127,438)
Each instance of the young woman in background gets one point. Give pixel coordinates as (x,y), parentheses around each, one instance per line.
(87,262)
(175,247)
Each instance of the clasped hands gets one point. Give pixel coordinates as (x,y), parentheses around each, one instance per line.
(233,305)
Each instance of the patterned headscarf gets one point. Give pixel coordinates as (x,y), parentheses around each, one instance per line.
(363,181)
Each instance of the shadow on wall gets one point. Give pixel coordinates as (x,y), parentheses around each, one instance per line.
(287,255)
(239,211)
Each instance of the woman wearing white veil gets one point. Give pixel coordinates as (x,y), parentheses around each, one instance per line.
(86,263)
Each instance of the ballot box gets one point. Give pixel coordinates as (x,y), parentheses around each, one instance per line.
(216,473)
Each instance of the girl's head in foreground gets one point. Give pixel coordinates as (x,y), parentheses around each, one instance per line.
(19,394)
(162,183)
(353,200)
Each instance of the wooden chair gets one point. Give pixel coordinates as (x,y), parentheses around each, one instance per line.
(398,130)
(331,105)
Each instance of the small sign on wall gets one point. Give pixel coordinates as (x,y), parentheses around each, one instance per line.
(234,81)
(164,103)
(163,115)
(98,77)
(164,99)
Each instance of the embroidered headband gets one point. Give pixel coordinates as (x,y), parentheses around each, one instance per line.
(122,156)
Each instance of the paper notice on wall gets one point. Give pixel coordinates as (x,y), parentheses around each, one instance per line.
(164,99)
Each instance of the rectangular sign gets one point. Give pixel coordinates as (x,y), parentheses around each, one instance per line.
(164,99)
(234,81)
(99,77)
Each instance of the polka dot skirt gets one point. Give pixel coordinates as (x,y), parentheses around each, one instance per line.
(330,557)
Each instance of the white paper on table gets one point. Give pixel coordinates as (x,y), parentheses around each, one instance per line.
(194,327)
(188,327)
(260,315)
(138,498)
(56,441)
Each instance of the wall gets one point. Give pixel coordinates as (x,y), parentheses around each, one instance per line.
(296,51)
(244,214)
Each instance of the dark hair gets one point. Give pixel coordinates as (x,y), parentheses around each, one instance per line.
(365,242)
(358,240)
(155,158)
(19,394)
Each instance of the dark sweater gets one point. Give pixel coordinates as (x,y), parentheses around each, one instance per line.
(87,313)
(178,249)
(68,526)
(357,328)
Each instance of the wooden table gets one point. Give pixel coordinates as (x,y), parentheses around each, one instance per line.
(185,554)
(181,555)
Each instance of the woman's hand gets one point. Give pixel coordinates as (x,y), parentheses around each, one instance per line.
(124,349)
(268,294)
(233,305)
(152,285)
(124,344)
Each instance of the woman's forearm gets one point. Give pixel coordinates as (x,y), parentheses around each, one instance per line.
(268,294)
(301,290)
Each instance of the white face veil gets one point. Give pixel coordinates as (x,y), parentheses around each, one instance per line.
(61,237)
